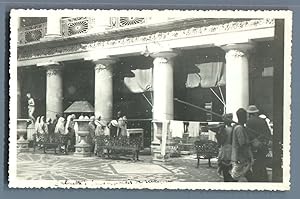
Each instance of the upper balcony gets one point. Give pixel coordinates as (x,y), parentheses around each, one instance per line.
(72,27)
(36,29)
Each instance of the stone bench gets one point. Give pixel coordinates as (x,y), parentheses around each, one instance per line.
(206,149)
(116,145)
(47,142)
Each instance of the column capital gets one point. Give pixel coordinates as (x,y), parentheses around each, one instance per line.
(49,64)
(238,48)
(106,61)
(163,57)
(165,53)
(53,68)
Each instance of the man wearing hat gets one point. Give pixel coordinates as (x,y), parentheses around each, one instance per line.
(259,135)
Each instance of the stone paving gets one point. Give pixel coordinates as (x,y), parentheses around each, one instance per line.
(68,167)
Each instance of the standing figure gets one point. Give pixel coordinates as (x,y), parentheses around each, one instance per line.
(31,107)
(100,127)
(57,116)
(241,155)
(114,127)
(70,131)
(37,125)
(60,131)
(99,131)
(60,126)
(91,136)
(122,126)
(44,125)
(119,117)
(260,135)
(224,139)
(51,126)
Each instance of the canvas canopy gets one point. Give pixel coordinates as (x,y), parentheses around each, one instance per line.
(208,75)
(80,107)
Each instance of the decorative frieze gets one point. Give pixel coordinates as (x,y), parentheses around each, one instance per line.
(186,33)
(235,26)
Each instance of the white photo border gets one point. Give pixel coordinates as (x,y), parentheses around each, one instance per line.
(271,186)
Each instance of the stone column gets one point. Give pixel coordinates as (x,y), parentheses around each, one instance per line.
(54,90)
(237,77)
(163,103)
(104,88)
(53,27)
(163,97)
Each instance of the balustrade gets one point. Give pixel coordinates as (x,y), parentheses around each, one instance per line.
(32,33)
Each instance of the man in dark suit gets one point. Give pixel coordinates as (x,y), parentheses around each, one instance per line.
(259,135)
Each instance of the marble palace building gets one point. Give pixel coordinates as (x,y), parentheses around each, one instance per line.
(140,64)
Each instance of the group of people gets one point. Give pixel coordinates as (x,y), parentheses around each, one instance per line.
(114,128)
(57,126)
(244,146)
(67,127)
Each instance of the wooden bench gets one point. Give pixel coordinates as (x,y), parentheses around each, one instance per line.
(116,145)
(206,149)
(50,142)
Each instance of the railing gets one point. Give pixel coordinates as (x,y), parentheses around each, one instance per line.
(32,33)
(117,22)
(75,26)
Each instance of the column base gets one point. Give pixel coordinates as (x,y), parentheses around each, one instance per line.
(22,146)
(156,153)
(83,150)
(158,157)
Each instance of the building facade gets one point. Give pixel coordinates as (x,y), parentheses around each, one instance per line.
(140,64)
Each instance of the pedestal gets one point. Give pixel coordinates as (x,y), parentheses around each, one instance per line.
(162,151)
(83,148)
(22,143)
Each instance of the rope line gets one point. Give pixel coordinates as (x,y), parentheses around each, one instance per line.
(218,115)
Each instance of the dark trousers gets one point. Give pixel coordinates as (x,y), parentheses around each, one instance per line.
(259,167)
(225,168)
(259,171)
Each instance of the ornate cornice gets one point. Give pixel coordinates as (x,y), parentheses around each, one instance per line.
(191,32)
(77,46)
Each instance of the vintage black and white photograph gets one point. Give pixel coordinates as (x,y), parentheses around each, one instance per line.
(150,99)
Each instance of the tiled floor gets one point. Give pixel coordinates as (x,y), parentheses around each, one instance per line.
(68,167)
